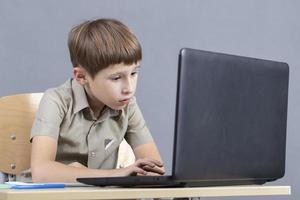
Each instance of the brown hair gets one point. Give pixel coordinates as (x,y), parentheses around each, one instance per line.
(100,43)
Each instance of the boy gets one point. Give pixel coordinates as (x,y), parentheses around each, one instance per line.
(79,125)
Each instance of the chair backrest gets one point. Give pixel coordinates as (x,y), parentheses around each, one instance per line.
(16,117)
(17,113)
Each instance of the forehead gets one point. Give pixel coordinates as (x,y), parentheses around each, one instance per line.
(120,68)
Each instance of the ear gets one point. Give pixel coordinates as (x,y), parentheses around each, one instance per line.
(80,74)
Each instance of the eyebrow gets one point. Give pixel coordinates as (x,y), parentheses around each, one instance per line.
(137,67)
(122,72)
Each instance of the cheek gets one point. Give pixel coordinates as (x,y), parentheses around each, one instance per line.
(112,89)
(135,83)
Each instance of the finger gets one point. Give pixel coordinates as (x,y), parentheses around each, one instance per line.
(156,162)
(159,163)
(156,169)
(149,161)
(138,170)
(143,162)
(152,174)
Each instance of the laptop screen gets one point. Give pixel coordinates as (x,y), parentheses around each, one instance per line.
(231,117)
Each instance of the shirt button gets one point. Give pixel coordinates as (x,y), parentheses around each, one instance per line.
(93,154)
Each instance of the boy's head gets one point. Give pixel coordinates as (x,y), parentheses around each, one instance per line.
(95,45)
(106,57)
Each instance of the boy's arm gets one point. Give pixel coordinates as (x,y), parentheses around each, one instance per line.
(149,150)
(45,169)
(139,138)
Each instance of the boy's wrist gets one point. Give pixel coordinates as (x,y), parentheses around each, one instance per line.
(120,172)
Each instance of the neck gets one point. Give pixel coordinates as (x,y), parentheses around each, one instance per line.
(96,106)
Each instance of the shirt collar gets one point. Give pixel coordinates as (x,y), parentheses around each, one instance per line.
(80,99)
(108,112)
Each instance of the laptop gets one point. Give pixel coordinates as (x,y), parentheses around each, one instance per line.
(230,123)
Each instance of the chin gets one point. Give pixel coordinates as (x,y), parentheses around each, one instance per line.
(118,107)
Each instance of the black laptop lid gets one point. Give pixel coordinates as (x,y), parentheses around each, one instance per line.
(230,118)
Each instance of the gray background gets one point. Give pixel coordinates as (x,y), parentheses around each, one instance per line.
(34,54)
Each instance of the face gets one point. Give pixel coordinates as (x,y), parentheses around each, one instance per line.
(113,86)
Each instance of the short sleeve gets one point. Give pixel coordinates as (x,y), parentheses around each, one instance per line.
(49,115)
(137,130)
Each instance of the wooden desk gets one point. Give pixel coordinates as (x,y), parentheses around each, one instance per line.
(72,193)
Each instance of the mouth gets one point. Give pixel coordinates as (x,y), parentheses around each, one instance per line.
(125,101)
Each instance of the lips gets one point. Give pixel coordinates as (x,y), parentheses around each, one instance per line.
(125,101)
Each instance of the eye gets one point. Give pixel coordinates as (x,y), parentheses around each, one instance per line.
(115,78)
(134,73)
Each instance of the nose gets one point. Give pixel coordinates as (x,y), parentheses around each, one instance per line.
(128,87)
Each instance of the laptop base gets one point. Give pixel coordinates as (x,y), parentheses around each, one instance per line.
(132,181)
(162,181)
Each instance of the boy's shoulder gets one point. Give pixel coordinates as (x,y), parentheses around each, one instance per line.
(62,93)
(132,108)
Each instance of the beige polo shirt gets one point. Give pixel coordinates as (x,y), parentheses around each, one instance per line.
(64,114)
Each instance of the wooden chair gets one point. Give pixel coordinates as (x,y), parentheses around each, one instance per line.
(17,113)
(16,117)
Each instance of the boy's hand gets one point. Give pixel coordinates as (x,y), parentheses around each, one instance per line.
(145,166)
